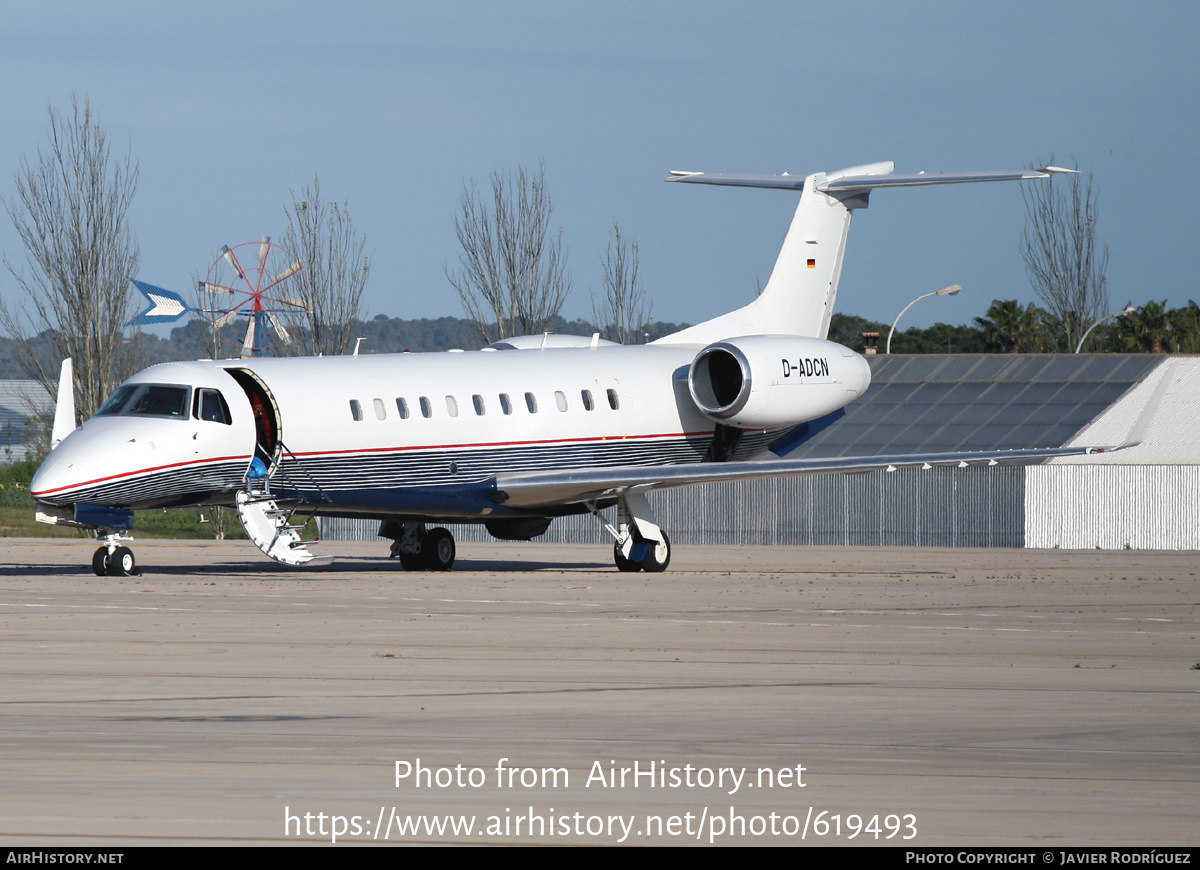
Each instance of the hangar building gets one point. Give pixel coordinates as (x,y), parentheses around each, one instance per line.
(1140,497)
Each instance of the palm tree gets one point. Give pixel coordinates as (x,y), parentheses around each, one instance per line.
(1146,330)
(1013,328)
(1185,327)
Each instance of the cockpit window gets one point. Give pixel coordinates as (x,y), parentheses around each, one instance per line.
(157,400)
(210,405)
(116,401)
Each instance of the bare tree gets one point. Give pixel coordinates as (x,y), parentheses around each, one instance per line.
(1066,266)
(70,212)
(336,266)
(623,311)
(512,279)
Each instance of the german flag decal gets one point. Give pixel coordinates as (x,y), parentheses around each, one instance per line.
(812,264)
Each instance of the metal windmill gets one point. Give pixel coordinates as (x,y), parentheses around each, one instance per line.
(259,295)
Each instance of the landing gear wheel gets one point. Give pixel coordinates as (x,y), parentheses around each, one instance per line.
(659,557)
(412,561)
(121,563)
(624,564)
(438,550)
(100,561)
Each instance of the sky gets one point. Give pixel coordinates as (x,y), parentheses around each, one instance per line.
(228,107)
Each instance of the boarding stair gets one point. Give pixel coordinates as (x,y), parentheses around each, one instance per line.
(275,520)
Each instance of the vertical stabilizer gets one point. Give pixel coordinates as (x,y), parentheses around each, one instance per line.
(799,297)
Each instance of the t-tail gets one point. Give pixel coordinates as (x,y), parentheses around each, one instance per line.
(800,294)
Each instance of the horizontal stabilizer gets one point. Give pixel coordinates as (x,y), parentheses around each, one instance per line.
(783,182)
(921,179)
(854,179)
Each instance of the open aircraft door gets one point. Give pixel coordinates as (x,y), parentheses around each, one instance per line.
(268,424)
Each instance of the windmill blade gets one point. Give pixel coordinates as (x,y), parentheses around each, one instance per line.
(284,275)
(225,319)
(289,271)
(248,344)
(229,258)
(294,300)
(279,330)
(263,248)
(209,287)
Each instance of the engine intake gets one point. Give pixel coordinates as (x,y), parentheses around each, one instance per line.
(766,381)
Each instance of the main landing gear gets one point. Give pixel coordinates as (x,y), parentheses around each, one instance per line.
(113,558)
(640,544)
(421,549)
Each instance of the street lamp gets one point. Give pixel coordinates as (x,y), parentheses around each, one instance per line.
(945,291)
(1124,312)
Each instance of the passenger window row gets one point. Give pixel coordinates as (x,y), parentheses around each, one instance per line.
(480,405)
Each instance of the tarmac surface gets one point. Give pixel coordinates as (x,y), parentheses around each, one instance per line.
(770,695)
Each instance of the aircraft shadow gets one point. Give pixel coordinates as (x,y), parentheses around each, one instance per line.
(268,570)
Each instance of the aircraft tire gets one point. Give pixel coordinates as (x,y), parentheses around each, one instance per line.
(100,561)
(659,558)
(122,563)
(438,550)
(624,564)
(412,561)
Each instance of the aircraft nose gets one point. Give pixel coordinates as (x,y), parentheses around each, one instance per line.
(52,477)
(81,457)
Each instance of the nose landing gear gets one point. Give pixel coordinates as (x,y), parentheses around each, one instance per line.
(113,559)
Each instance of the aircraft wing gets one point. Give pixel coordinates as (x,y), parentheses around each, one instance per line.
(574,486)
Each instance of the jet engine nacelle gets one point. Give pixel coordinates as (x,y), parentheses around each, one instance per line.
(767,381)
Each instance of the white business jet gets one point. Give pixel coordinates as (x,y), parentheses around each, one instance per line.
(511,436)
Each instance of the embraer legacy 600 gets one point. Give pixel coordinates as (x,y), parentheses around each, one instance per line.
(511,436)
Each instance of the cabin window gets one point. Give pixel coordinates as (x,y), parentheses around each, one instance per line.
(613,401)
(477,400)
(505,403)
(402,408)
(356,410)
(380,411)
(451,406)
(560,399)
(588,403)
(531,403)
(209,405)
(426,407)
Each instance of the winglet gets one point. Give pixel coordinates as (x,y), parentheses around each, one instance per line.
(1137,432)
(64,407)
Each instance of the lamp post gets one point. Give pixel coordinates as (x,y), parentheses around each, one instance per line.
(945,291)
(1124,312)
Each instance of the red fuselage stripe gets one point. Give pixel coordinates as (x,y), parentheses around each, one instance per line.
(247,458)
